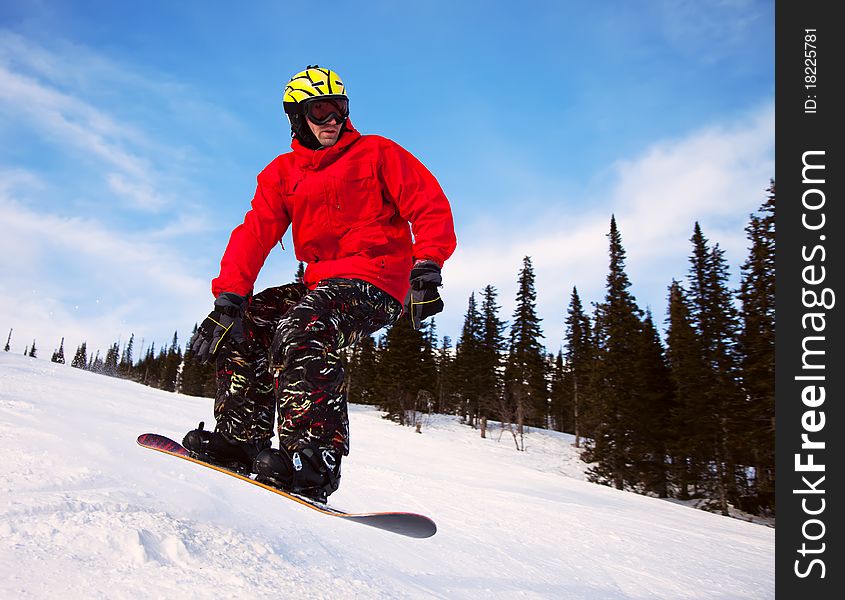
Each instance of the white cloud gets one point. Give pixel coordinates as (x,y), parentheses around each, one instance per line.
(716,175)
(141,193)
(74,125)
(75,278)
(111,120)
(102,253)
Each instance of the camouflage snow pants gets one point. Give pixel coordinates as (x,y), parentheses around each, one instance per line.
(290,362)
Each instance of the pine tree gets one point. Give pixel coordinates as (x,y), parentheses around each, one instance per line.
(490,353)
(652,425)
(580,362)
(8,347)
(690,377)
(446,384)
(80,359)
(169,364)
(559,393)
(59,355)
(618,385)
(196,379)
(127,361)
(698,278)
(726,361)
(716,321)
(148,368)
(406,375)
(162,381)
(757,352)
(526,393)
(97,364)
(32,351)
(430,337)
(111,362)
(190,379)
(363,369)
(299,277)
(467,357)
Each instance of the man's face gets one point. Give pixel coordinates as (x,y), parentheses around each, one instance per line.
(327,133)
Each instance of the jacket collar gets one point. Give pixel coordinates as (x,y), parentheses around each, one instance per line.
(307,159)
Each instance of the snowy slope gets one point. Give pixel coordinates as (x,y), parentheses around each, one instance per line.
(85,512)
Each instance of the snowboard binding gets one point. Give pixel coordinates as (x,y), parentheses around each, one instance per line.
(311,472)
(214,447)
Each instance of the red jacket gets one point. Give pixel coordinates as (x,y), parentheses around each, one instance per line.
(350,206)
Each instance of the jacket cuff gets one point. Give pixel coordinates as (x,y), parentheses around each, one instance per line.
(421,259)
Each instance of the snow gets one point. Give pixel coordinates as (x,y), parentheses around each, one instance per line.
(85,512)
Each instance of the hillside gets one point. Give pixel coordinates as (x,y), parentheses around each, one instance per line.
(85,512)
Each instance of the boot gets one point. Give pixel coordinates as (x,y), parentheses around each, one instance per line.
(311,472)
(216,448)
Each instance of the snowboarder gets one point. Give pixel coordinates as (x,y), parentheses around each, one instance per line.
(353,202)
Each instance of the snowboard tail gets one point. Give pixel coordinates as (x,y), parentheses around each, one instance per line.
(403,523)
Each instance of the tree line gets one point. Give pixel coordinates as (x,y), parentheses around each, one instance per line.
(169,368)
(688,415)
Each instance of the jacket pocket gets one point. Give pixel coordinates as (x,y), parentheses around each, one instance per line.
(355,195)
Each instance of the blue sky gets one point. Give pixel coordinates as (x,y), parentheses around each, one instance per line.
(131,135)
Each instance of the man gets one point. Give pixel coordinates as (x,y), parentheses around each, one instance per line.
(353,203)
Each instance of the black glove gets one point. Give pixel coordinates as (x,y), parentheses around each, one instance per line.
(423,299)
(222,323)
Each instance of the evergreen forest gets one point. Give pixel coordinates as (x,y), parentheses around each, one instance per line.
(679,405)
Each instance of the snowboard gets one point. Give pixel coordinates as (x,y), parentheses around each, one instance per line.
(403,523)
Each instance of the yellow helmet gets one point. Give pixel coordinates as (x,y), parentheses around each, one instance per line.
(311,83)
(314,83)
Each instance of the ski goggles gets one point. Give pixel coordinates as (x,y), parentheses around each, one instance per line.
(322,110)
